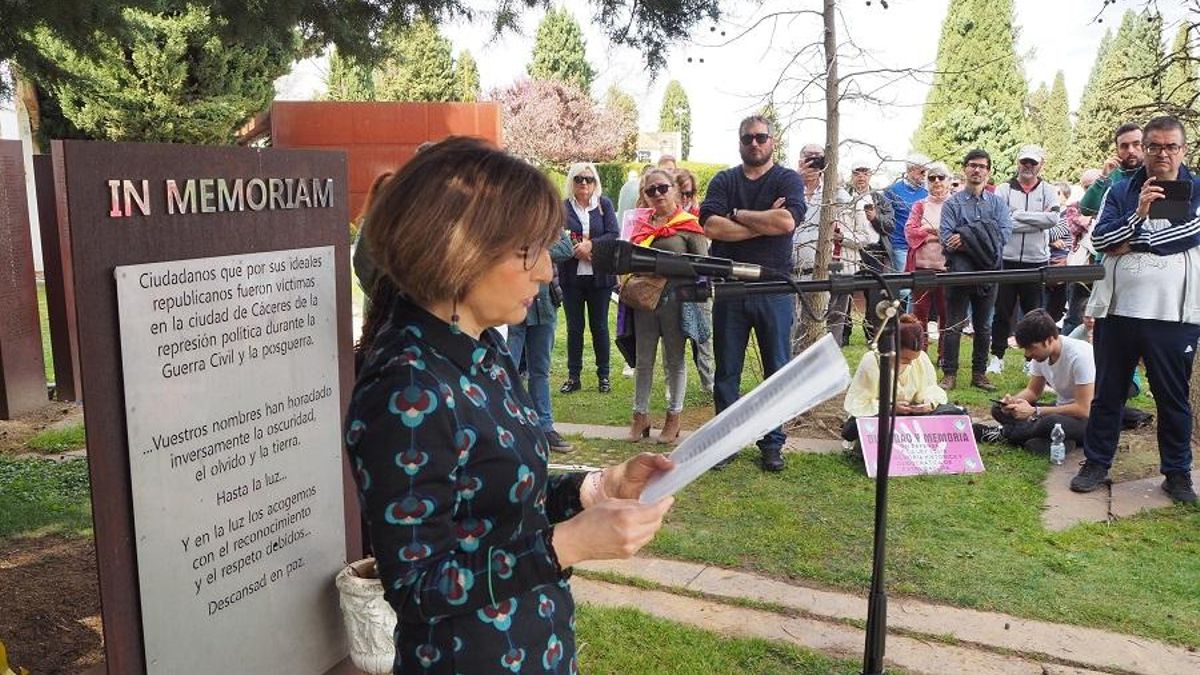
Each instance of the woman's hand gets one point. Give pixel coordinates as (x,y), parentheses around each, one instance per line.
(613,528)
(583,250)
(627,479)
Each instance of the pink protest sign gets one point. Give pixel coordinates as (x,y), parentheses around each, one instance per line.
(935,444)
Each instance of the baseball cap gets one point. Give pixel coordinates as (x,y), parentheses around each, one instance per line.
(1033,152)
(917,159)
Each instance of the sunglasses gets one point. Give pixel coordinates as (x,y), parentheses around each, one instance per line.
(688,194)
(1029,162)
(660,189)
(580,180)
(937,178)
(756,138)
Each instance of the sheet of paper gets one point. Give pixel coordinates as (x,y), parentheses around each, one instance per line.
(815,376)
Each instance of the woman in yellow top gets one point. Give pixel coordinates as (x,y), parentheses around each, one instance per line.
(917,391)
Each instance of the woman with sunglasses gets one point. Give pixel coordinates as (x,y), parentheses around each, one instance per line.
(685,182)
(666,227)
(473,539)
(590,217)
(925,247)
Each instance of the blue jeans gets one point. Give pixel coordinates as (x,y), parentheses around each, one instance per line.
(771,317)
(596,300)
(540,341)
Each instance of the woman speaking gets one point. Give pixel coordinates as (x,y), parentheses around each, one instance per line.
(474,540)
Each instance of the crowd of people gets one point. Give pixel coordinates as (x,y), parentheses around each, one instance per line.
(475,539)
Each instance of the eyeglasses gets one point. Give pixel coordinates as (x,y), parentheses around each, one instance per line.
(761,139)
(660,189)
(580,180)
(1158,149)
(530,255)
(937,178)
(977,166)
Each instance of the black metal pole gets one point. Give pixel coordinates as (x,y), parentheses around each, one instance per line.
(877,600)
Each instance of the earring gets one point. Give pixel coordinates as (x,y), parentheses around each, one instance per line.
(454,318)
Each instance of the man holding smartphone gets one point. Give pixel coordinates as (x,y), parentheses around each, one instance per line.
(1147,307)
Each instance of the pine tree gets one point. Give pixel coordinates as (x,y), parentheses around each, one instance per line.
(466,72)
(676,115)
(559,51)
(348,80)
(1120,89)
(1036,104)
(625,108)
(978,93)
(419,67)
(170,77)
(1055,132)
(779,155)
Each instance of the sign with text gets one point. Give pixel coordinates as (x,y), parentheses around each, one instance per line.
(233,418)
(933,444)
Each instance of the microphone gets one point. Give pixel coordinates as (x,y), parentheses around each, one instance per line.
(621,257)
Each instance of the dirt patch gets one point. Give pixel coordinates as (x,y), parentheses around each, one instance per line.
(50,606)
(15,433)
(823,421)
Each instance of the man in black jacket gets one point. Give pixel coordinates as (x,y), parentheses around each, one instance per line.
(975,226)
(874,220)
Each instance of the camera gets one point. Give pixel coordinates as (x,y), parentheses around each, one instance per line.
(817,162)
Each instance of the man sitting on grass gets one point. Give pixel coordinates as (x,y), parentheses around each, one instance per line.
(1063,363)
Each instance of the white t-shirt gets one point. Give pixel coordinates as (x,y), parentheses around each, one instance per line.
(585,267)
(1149,286)
(1075,366)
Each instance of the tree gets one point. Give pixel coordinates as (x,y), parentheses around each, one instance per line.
(419,68)
(1181,86)
(769,111)
(1050,127)
(625,109)
(170,77)
(978,93)
(552,123)
(676,115)
(1119,89)
(467,75)
(348,80)
(559,51)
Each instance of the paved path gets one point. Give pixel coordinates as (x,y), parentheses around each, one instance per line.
(923,637)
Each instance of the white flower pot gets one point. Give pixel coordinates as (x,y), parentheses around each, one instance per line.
(368,618)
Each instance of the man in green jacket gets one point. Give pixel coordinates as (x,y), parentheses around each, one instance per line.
(1125,163)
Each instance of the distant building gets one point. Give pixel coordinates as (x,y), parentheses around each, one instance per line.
(654,144)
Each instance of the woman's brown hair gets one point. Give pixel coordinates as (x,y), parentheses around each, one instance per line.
(912,334)
(449,215)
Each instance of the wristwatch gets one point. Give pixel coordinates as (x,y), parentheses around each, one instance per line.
(1037,412)
(733,215)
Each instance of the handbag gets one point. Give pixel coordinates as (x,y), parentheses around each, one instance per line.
(643,291)
(930,256)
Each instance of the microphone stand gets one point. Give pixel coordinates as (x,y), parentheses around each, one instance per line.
(887,346)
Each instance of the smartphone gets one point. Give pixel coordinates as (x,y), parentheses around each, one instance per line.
(1177,201)
(997,401)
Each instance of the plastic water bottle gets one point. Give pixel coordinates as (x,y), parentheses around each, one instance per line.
(1058,451)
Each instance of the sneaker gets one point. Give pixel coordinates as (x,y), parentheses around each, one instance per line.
(948,382)
(605,385)
(628,371)
(1091,477)
(1179,486)
(572,384)
(772,460)
(981,381)
(557,442)
(987,433)
(995,365)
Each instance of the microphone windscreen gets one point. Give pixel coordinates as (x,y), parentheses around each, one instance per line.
(611,256)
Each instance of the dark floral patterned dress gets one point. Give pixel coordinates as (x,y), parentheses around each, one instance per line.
(451,471)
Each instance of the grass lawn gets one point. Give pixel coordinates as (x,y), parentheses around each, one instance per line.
(58,440)
(973,541)
(40,496)
(620,641)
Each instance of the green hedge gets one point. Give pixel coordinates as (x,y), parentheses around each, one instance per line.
(612,175)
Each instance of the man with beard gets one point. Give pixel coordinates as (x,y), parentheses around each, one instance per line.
(1063,363)
(1125,163)
(1147,307)
(749,212)
(1034,208)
